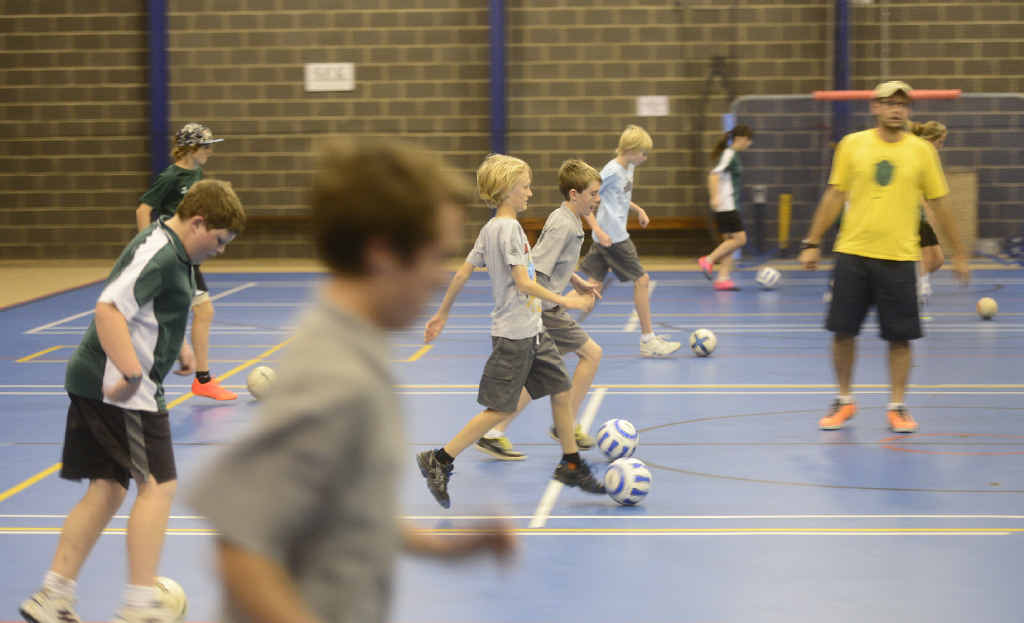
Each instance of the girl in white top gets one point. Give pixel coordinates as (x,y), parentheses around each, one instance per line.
(724,186)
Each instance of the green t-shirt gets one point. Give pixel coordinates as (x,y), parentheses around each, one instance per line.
(169,187)
(152,285)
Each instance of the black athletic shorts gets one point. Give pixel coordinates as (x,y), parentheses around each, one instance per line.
(928,237)
(103,441)
(200,281)
(891,286)
(728,222)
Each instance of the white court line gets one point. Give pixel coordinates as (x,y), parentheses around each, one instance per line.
(547,501)
(625,517)
(634,319)
(86,313)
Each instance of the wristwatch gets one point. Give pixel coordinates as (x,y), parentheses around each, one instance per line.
(133,379)
(804,245)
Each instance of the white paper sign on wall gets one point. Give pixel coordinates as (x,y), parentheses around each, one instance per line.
(652,106)
(330,76)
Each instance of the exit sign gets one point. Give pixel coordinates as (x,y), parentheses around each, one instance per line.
(330,76)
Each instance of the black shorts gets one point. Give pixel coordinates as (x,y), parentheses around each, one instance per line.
(891,286)
(728,222)
(200,281)
(103,441)
(928,237)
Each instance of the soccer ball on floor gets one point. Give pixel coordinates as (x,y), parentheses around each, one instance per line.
(703,342)
(617,439)
(260,380)
(172,595)
(768,277)
(628,481)
(987,307)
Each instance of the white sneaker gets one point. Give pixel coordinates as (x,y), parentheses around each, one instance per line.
(158,612)
(47,607)
(658,346)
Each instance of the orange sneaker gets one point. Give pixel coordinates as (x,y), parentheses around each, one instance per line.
(900,420)
(212,390)
(838,417)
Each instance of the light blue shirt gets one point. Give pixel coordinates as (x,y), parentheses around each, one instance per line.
(616,194)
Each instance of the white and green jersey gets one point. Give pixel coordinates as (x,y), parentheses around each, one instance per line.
(730,181)
(152,286)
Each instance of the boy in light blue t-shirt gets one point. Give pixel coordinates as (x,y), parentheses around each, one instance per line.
(612,248)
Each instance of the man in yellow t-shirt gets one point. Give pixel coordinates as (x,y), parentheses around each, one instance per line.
(883,174)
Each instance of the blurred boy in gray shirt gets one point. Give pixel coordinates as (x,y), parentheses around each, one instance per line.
(306,502)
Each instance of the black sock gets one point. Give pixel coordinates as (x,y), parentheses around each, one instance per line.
(444,457)
(573,459)
(203,376)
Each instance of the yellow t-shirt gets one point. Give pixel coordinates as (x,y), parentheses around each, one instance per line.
(884,184)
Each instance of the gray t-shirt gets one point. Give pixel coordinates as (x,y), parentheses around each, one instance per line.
(313,484)
(501,245)
(558,250)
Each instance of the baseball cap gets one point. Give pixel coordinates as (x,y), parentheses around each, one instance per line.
(195,134)
(887,89)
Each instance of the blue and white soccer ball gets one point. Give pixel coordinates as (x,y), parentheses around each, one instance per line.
(628,481)
(703,342)
(617,439)
(768,277)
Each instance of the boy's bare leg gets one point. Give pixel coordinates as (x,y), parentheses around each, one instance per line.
(202,320)
(475,429)
(84,524)
(562,414)
(642,300)
(146,526)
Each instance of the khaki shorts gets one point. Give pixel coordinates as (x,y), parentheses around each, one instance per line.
(533,363)
(569,337)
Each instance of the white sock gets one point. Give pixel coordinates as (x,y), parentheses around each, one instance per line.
(494,433)
(136,596)
(894,405)
(646,337)
(845,400)
(60,585)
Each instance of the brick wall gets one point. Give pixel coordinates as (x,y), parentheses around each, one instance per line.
(73,107)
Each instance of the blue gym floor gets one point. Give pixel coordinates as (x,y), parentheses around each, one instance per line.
(754,513)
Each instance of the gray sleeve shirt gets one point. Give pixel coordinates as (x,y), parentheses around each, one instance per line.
(313,484)
(558,250)
(501,245)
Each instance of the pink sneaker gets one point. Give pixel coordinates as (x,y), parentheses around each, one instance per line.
(726,284)
(705,266)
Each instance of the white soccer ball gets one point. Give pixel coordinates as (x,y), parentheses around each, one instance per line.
(628,481)
(173,597)
(260,380)
(768,277)
(617,439)
(703,342)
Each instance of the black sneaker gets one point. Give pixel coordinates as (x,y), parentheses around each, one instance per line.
(583,440)
(500,448)
(437,475)
(579,477)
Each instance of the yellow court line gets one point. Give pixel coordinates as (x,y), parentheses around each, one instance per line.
(31,481)
(40,353)
(53,468)
(419,353)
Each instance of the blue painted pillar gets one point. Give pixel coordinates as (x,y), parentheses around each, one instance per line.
(841,70)
(497,16)
(158,108)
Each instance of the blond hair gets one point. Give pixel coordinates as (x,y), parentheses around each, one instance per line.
(576,175)
(634,138)
(180,152)
(931,131)
(367,189)
(216,202)
(496,175)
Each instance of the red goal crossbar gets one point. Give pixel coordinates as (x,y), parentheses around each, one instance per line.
(917,94)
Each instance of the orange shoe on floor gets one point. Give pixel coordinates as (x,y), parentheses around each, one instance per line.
(726,285)
(212,390)
(838,417)
(900,420)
